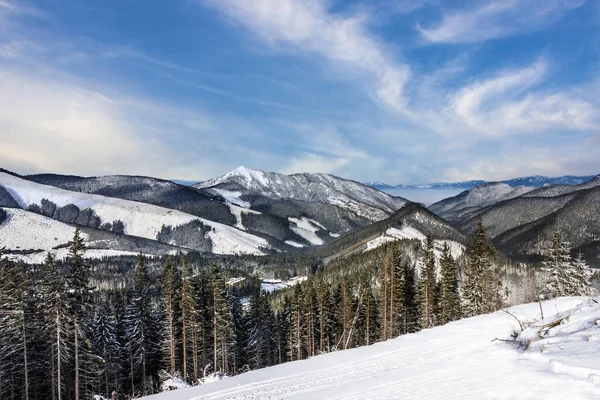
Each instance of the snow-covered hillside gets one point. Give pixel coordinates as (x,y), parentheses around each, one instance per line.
(407,232)
(26,231)
(139,219)
(355,197)
(460,360)
(457,207)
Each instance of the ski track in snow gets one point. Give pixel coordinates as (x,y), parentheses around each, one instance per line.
(455,361)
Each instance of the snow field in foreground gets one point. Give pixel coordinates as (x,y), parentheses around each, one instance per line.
(456,361)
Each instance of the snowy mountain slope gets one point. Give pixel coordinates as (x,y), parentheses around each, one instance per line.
(354,198)
(407,232)
(28,237)
(149,190)
(140,219)
(468,202)
(413,221)
(460,360)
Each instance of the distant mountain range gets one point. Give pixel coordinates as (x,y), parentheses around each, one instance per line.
(520,219)
(242,212)
(253,212)
(535,181)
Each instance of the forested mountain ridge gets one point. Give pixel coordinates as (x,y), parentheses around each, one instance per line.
(273,219)
(131,218)
(335,203)
(519,223)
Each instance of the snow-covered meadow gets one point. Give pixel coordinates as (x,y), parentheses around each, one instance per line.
(461,360)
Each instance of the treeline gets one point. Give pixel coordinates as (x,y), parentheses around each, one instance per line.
(61,338)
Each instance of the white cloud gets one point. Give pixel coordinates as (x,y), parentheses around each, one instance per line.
(509,104)
(343,40)
(58,124)
(497,19)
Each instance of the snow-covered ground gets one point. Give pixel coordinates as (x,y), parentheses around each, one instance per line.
(24,230)
(140,219)
(460,360)
(272,285)
(307,229)
(407,232)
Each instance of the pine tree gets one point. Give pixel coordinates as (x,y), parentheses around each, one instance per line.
(14,365)
(283,327)
(170,301)
(238,356)
(222,329)
(189,325)
(582,276)
(426,288)
(561,271)
(80,305)
(480,287)
(449,305)
(104,344)
(56,301)
(410,320)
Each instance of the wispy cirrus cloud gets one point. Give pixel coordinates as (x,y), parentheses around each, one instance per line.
(496,19)
(308,26)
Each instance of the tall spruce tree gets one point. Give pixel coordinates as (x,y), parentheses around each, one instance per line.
(558,267)
(427,283)
(80,307)
(170,301)
(479,288)
(449,305)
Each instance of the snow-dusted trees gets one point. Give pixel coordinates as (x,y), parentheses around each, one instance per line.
(427,283)
(565,276)
(171,311)
(222,329)
(56,302)
(14,365)
(558,266)
(480,288)
(583,274)
(449,298)
(189,322)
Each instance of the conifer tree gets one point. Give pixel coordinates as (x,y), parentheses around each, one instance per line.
(80,291)
(558,267)
(189,318)
(238,356)
(480,287)
(56,302)
(583,274)
(221,322)
(170,301)
(283,318)
(426,288)
(104,344)
(449,305)
(410,320)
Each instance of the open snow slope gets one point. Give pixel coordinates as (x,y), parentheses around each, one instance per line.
(24,230)
(455,361)
(140,219)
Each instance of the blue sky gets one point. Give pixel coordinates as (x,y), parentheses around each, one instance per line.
(400,91)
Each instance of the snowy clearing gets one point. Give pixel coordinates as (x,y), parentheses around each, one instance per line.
(307,229)
(24,230)
(272,285)
(140,219)
(407,232)
(455,361)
